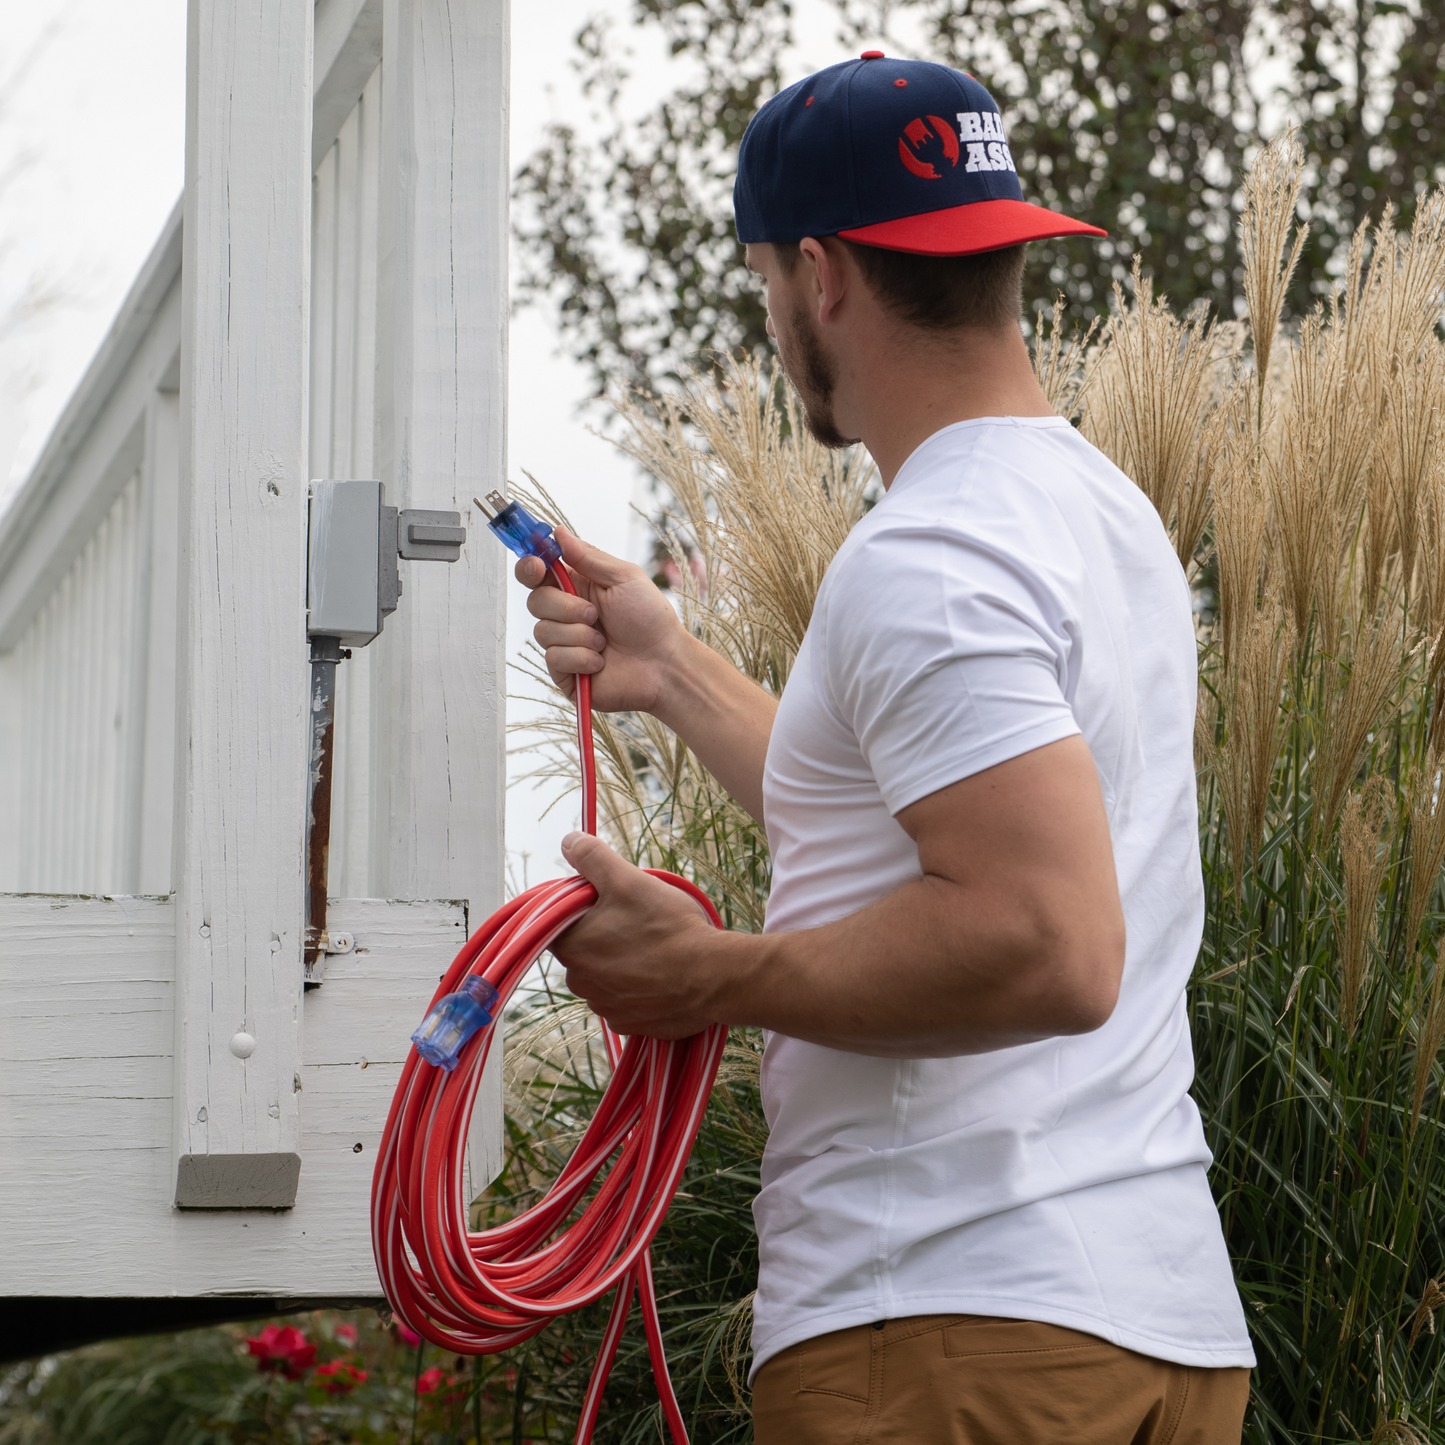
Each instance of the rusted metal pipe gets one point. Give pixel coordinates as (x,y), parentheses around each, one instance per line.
(326,652)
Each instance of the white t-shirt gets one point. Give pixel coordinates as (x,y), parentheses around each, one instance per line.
(1012,588)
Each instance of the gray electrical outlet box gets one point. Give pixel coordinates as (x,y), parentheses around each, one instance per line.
(345,561)
(353,583)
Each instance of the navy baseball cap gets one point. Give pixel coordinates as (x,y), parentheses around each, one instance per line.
(902,154)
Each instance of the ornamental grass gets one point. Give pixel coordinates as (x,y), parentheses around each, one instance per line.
(1300,472)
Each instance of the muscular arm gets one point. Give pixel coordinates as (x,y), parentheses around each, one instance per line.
(622,631)
(1013,932)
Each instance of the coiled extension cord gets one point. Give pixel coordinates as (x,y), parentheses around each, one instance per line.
(479,1293)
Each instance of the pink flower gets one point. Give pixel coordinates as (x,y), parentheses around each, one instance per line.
(429,1381)
(339,1377)
(408,1337)
(346,1334)
(284,1348)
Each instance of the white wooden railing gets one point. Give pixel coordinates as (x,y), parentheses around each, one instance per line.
(75,673)
(327,301)
(87,618)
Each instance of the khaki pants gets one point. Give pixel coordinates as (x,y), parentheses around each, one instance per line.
(975,1380)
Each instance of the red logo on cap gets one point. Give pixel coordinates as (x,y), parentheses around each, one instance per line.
(916,135)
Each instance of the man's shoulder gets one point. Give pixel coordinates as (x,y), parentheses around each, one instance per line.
(982,500)
(1019,520)
(1043,496)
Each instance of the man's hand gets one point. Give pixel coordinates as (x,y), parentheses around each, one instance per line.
(635,956)
(619,612)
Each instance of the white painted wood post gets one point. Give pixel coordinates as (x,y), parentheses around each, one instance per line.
(242,679)
(439,691)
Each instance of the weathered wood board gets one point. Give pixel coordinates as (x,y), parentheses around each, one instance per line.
(87,1173)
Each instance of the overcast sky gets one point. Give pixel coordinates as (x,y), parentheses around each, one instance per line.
(92,145)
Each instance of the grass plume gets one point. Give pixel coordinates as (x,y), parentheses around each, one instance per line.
(1271,193)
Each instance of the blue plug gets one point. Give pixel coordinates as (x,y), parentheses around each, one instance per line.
(519,530)
(444,1032)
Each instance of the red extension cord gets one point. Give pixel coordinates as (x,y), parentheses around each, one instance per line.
(477,1294)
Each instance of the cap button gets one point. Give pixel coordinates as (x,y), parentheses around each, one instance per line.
(871,55)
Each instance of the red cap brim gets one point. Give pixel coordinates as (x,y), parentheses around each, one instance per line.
(962,230)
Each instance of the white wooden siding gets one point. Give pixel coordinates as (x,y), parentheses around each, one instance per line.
(74,673)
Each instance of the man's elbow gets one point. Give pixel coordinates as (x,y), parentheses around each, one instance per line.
(1096,974)
(1082,983)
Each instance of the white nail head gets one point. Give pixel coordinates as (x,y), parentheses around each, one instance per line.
(243,1046)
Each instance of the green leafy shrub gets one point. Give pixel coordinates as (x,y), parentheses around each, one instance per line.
(351,1380)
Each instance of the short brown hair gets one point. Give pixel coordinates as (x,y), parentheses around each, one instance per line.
(938,293)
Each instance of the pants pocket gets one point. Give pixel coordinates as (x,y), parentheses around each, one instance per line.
(816,1392)
(837,1364)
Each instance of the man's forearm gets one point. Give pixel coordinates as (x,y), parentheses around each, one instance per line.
(724,717)
(902,979)
(1013,930)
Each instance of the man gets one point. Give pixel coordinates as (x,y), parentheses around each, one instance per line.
(984,1214)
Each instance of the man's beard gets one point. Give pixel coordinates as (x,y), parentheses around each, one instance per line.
(814,377)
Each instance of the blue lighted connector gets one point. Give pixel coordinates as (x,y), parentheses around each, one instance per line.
(519,530)
(453,1020)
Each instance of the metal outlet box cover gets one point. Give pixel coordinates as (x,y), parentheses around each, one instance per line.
(431,536)
(342,596)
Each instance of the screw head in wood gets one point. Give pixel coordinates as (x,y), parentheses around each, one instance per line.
(243,1045)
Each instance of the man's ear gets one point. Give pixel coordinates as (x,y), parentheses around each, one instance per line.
(828,276)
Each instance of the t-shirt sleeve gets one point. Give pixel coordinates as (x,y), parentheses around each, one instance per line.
(946,654)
